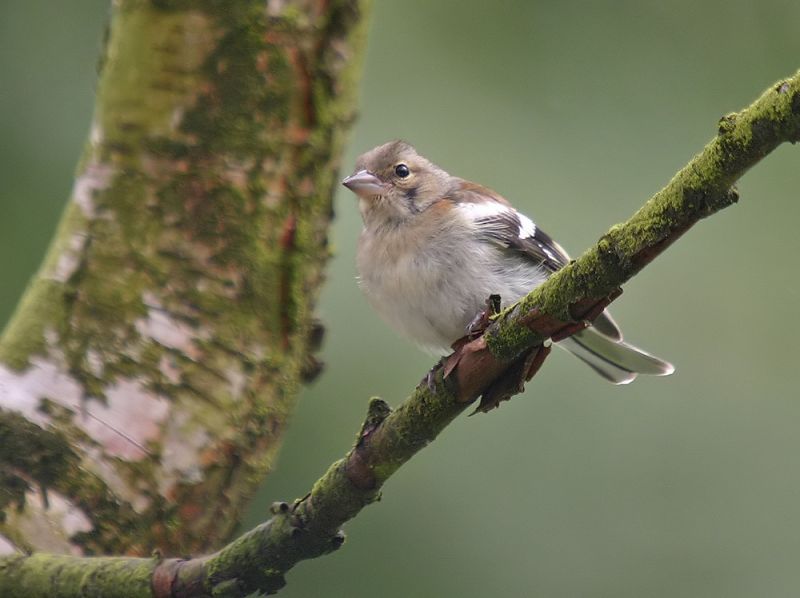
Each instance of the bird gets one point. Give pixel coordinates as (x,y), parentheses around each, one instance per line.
(434,247)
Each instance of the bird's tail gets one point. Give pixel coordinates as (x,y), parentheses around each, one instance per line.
(615,360)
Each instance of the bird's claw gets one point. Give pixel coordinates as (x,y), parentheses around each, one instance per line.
(526,365)
(430,377)
(483,318)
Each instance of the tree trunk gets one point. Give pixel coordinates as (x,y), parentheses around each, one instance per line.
(148,372)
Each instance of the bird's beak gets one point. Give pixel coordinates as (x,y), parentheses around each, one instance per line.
(364,183)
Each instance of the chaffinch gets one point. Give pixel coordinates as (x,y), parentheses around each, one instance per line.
(434,247)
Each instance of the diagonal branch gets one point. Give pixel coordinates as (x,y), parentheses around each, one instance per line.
(388,438)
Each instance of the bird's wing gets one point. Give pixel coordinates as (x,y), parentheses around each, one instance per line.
(499,223)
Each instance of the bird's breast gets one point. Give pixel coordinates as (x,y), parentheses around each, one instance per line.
(428,288)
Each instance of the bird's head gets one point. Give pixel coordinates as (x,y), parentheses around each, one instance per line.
(394,183)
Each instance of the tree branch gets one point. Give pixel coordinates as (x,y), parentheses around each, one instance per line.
(388,438)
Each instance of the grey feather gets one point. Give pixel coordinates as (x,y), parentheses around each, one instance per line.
(616,361)
(605,325)
(510,229)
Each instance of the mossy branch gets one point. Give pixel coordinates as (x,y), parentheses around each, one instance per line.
(310,527)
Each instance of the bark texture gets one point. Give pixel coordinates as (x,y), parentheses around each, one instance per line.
(388,438)
(147,374)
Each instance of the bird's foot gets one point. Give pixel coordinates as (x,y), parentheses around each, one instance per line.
(430,377)
(483,318)
(474,329)
(522,369)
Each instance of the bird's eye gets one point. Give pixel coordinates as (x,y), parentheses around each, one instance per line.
(402,171)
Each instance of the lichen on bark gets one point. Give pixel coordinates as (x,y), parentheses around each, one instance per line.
(167,330)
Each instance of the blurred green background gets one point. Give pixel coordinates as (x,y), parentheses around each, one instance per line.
(577,112)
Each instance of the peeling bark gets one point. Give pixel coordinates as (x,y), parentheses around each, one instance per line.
(158,351)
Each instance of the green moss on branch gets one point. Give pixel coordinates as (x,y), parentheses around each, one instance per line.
(58,576)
